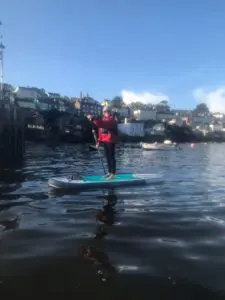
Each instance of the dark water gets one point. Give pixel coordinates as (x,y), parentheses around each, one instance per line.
(162,240)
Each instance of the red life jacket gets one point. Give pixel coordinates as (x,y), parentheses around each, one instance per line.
(107,129)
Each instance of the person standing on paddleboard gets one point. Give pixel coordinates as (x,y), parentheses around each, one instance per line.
(107,135)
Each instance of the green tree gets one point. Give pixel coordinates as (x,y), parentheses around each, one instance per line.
(201,109)
(136,105)
(117,102)
(163,106)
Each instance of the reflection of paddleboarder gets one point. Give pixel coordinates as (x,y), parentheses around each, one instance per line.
(106,216)
(99,259)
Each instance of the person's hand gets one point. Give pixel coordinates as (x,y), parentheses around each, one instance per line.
(97,145)
(89,117)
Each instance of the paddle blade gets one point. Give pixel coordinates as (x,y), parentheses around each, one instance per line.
(92,148)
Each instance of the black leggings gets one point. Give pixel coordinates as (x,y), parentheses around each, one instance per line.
(109,149)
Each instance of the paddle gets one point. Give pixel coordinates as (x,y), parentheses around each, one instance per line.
(92,148)
(99,153)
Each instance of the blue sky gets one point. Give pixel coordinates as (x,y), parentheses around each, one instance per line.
(157,47)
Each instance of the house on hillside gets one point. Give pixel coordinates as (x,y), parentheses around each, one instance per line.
(53,95)
(21,92)
(87,105)
(144,115)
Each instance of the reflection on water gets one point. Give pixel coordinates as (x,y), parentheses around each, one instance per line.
(165,239)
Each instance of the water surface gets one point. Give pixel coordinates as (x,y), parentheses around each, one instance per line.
(165,239)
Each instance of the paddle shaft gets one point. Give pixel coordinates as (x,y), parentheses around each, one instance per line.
(99,153)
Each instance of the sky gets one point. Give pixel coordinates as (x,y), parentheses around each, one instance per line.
(144,50)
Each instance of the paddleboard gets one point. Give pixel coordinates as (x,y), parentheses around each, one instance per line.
(87,182)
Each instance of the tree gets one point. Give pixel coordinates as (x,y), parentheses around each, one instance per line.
(136,106)
(201,109)
(164,103)
(163,106)
(106,102)
(117,102)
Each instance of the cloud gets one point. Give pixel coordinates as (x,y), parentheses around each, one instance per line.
(145,97)
(215,99)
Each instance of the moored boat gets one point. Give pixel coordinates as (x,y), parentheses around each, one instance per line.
(157,146)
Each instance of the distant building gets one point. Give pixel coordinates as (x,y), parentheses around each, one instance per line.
(60,104)
(182,112)
(123,112)
(204,129)
(159,127)
(29,92)
(167,116)
(87,106)
(53,95)
(132,129)
(177,121)
(218,115)
(27,103)
(216,127)
(201,120)
(105,102)
(7,87)
(7,91)
(144,115)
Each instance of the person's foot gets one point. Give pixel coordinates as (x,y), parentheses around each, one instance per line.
(111,176)
(107,175)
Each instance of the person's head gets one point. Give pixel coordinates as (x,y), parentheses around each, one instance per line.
(106,111)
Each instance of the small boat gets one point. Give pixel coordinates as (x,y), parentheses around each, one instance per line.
(167,142)
(157,146)
(88,182)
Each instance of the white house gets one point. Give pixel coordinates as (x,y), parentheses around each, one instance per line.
(53,95)
(201,120)
(216,127)
(218,115)
(144,115)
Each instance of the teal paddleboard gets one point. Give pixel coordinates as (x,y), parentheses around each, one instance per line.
(96,181)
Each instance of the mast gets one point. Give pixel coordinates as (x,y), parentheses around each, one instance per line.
(2,47)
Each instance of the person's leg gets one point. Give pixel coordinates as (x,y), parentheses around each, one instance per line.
(107,156)
(112,160)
